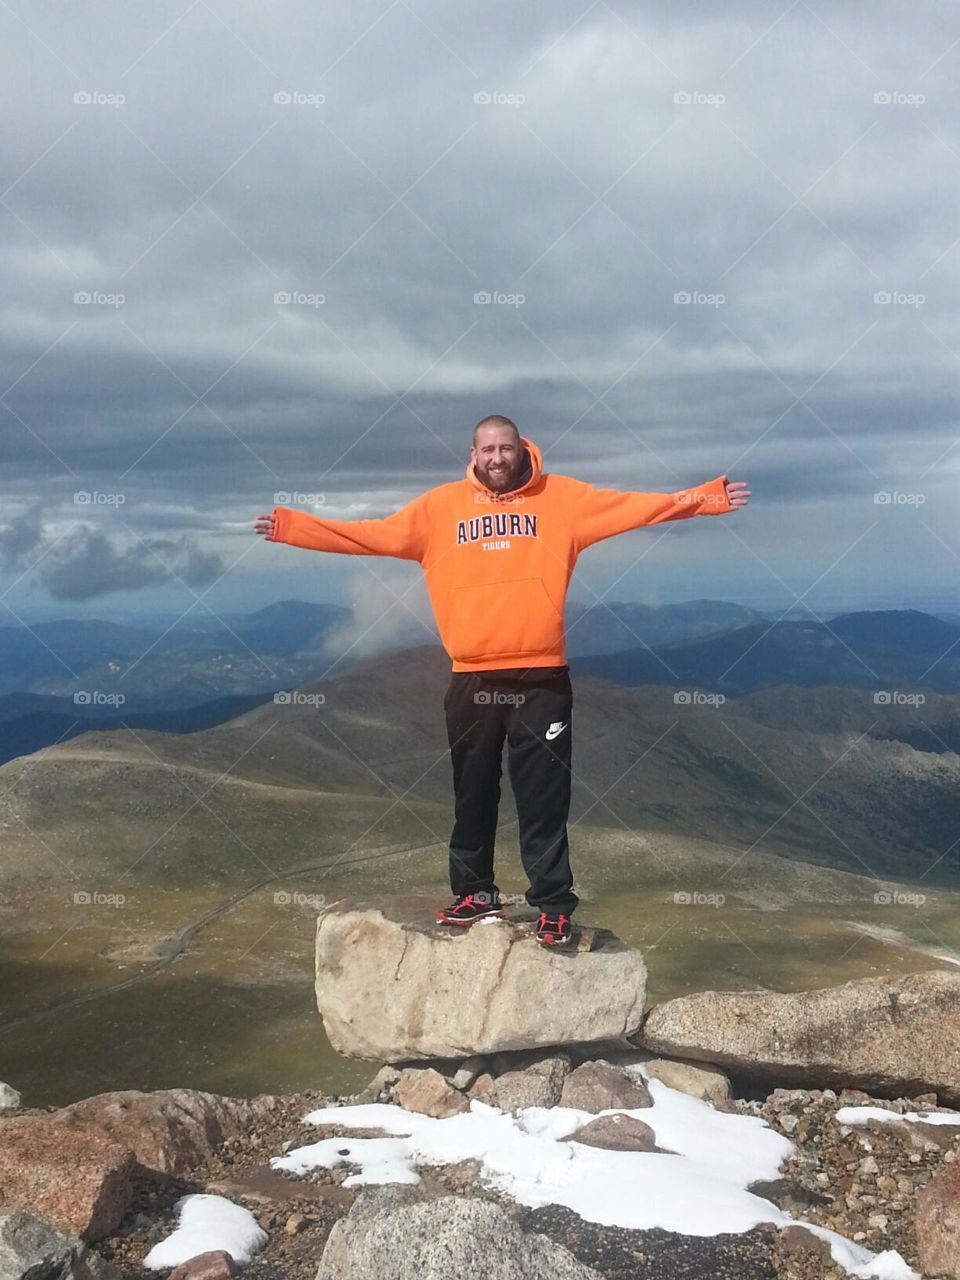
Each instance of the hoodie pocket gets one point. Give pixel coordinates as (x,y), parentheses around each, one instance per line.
(497,619)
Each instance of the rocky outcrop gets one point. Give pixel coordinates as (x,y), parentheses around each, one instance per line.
(893,1035)
(393,1231)
(393,986)
(75,1166)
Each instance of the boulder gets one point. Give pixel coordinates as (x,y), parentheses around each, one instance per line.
(897,1035)
(393,1231)
(426,1091)
(382,1082)
(169,1130)
(66,1172)
(616,1132)
(9,1098)
(539,1084)
(392,985)
(31,1247)
(468,1071)
(696,1079)
(75,1165)
(482,1086)
(938,1223)
(709,1084)
(214,1264)
(599,1086)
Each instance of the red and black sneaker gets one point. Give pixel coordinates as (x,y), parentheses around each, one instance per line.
(470,907)
(553,930)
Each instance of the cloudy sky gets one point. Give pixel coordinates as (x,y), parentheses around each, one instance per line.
(715,240)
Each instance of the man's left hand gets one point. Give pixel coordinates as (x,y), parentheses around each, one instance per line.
(738,494)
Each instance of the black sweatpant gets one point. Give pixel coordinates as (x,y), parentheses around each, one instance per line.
(534,715)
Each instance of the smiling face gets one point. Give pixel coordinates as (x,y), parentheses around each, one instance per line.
(497,456)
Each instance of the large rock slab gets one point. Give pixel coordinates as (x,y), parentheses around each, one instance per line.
(394,986)
(391,1232)
(898,1035)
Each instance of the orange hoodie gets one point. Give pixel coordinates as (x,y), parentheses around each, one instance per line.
(497,566)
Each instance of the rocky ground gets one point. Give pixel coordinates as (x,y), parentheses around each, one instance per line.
(860,1182)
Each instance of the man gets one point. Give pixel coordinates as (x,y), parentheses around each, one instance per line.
(498,550)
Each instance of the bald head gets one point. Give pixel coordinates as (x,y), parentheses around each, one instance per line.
(497,420)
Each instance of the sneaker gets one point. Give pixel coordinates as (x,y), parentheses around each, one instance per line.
(553,930)
(469,907)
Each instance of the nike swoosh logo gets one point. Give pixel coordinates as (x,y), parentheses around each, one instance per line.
(554,731)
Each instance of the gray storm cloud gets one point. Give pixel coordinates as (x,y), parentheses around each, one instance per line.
(313,244)
(83,562)
(92,565)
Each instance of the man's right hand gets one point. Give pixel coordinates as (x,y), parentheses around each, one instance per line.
(267,526)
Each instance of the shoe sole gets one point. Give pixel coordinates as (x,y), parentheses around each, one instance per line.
(487,915)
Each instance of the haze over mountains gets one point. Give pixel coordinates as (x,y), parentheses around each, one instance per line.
(827,775)
(872,650)
(60,679)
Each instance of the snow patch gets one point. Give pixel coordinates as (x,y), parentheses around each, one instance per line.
(699,1188)
(208,1222)
(860,1115)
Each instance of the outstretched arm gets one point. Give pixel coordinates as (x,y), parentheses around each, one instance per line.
(601,513)
(402,534)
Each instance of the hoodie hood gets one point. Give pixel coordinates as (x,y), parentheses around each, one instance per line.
(531,456)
